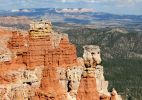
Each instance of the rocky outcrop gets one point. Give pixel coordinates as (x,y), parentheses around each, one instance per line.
(50,87)
(19,83)
(93,85)
(102,85)
(44,66)
(70,79)
(4,51)
(38,49)
(87,88)
(91,55)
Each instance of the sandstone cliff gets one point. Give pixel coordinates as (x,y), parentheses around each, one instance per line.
(44,66)
(87,88)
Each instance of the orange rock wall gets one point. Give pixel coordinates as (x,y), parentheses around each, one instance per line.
(87,89)
(39,51)
(35,50)
(17,42)
(50,88)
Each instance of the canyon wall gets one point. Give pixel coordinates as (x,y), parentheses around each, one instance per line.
(42,65)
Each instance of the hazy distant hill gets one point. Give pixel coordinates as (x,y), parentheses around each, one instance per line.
(80,16)
(71,15)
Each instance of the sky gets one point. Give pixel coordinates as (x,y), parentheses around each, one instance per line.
(133,7)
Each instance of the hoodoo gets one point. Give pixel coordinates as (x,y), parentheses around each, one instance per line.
(42,65)
(88,88)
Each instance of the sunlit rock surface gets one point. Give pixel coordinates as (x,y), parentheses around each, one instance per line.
(42,65)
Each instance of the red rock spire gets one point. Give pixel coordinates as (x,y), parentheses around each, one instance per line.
(87,88)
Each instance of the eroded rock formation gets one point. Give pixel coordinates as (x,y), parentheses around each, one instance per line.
(91,55)
(87,88)
(50,88)
(93,85)
(43,66)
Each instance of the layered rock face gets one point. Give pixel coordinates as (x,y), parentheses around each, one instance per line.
(102,85)
(70,79)
(93,85)
(38,49)
(4,51)
(18,83)
(50,88)
(91,55)
(87,88)
(43,66)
